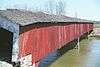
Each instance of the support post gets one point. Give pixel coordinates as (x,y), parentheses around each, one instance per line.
(88,35)
(78,44)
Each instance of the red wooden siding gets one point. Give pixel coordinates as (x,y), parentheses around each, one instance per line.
(43,40)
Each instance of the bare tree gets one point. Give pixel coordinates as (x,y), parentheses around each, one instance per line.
(60,8)
(55,7)
(50,5)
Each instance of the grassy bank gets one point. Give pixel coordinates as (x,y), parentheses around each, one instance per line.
(72,58)
(97,25)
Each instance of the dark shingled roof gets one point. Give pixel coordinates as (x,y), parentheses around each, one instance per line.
(23,17)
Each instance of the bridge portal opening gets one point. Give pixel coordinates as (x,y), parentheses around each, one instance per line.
(6,42)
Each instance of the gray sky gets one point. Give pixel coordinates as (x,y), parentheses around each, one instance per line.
(86,9)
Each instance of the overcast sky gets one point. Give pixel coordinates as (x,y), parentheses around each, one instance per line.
(86,9)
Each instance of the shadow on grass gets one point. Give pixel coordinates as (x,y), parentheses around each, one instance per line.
(52,57)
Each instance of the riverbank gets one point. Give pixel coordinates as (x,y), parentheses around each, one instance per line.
(87,57)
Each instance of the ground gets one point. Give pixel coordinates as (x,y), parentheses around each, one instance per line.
(88,56)
(5,64)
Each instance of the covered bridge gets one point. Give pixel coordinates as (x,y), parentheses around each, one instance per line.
(27,37)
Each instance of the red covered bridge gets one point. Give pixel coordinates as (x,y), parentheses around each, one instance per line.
(28,37)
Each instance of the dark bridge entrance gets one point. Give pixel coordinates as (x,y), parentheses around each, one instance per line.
(6,41)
